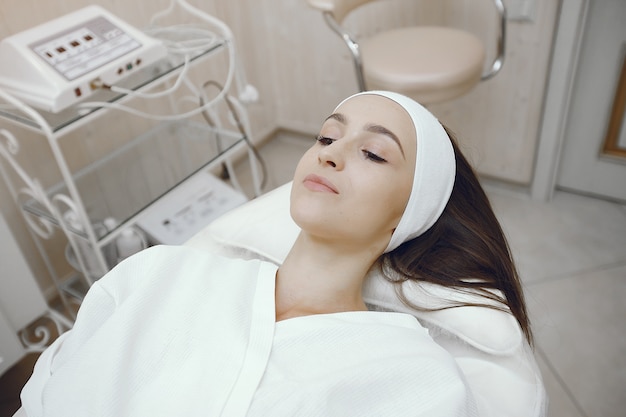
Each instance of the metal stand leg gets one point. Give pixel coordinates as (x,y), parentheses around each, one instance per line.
(42,332)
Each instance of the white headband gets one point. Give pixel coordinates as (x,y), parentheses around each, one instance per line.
(435,170)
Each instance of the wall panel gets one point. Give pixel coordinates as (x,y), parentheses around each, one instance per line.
(302,70)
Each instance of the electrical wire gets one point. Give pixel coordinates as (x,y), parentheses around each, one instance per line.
(203,41)
(179,80)
(90,106)
(185,40)
(243,127)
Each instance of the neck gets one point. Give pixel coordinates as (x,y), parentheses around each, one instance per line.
(319,278)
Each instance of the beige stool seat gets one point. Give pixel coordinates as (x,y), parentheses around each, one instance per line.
(431,64)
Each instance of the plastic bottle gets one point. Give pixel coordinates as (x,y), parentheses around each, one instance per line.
(86,252)
(129,242)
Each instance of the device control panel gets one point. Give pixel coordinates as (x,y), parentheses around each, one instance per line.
(85,48)
(61,62)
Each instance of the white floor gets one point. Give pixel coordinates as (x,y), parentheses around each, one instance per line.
(571,254)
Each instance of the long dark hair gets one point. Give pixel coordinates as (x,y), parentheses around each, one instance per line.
(465,249)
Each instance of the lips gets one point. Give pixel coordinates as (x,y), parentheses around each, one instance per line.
(316,183)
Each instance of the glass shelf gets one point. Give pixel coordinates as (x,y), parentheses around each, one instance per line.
(75,287)
(136,179)
(131,178)
(150,74)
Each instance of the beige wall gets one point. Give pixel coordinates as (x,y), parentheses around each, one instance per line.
(302,70)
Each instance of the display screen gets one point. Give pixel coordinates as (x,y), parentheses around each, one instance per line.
(84,48)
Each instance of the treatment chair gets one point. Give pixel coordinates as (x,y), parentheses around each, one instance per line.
(487,344)
(430,64)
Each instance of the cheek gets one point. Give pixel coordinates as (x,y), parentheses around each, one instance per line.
(398,196)
(306,161)
(402,194)
(382,199)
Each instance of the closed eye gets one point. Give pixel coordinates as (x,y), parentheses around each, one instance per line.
(324,140)
(373,157)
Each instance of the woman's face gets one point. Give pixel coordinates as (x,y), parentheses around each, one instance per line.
(352,186)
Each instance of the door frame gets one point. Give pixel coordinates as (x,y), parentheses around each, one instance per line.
(565,54)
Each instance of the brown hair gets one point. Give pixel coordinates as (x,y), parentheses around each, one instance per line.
(465,249)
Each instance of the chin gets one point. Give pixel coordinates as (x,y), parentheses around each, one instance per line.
(312,218)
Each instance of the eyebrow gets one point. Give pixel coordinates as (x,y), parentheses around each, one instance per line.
(373,128)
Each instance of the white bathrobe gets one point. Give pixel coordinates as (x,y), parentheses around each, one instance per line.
(174,331)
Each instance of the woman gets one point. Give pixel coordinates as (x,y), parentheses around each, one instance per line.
(175,331)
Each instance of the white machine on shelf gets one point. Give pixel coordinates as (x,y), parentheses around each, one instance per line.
(49,76)
(186,210)
(61,62)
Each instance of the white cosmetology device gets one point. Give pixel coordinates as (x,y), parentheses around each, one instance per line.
(61,62)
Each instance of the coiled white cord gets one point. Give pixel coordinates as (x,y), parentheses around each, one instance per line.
(186,40)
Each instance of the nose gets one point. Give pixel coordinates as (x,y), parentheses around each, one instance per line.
(331,155)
